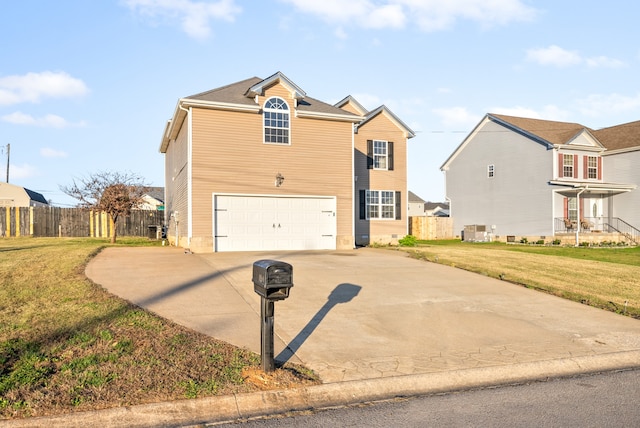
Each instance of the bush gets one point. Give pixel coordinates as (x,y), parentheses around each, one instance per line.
(524,241)
(540,242)
(408,241)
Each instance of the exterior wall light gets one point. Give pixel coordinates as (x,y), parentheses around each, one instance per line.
(279,180)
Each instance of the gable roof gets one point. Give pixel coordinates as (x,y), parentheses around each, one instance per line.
(415,198)
(156,193)
(555,133)
(384,110)
(625,136)
(350,100)
(241,96)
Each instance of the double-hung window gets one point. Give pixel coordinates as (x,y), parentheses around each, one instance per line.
(567,166)
(380,155)
(380,204)
(592,167)
(276,121)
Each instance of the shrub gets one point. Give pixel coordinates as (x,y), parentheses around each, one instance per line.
(524,241)
(408,241)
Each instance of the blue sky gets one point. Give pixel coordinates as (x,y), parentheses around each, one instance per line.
(88,86)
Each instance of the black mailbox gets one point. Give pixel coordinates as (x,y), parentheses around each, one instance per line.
(272,279)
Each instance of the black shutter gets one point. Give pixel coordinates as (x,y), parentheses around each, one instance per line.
(390,156)
(369,154)
(398,205)
(363,205)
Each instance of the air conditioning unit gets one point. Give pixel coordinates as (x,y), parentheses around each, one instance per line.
(475,233)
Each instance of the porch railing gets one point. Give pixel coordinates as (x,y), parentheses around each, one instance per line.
(589,224)
(618,225)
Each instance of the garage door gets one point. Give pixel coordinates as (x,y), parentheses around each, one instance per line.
(261,223)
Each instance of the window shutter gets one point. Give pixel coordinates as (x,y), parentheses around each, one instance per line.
(585,165)
(599,168)
(560,166)
(575,166)
(566,207)
(390,156)
(369,154)
(398,205)
(363,205)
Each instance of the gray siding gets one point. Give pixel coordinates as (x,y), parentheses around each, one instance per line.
(518,199)
(623,168)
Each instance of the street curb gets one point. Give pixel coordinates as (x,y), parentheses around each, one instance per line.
(241,406)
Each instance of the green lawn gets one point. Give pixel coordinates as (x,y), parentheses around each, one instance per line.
(607,278)
(68,345)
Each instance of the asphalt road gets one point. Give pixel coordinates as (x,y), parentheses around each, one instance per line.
(606,399)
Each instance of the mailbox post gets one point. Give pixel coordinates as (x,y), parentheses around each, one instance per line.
(272,280)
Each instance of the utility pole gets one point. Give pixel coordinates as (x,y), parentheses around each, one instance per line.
(8,151)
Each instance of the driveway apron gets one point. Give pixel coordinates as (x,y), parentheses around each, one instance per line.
(365,313)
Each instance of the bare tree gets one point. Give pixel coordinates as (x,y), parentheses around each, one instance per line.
(115,193)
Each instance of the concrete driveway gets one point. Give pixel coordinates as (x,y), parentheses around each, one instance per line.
(370,313)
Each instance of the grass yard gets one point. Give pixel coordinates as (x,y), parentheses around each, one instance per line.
(607,278)
(67,345)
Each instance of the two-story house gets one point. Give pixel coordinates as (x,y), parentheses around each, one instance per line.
(530,177)
(260,165)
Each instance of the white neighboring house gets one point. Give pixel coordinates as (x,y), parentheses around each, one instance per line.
(436,209)
(153,199)
(529,177)
(16,196)
(416,205)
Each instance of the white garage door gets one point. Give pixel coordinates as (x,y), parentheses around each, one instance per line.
(262,223)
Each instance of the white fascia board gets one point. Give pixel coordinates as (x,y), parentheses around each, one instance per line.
(445,165)
(328,116)
(185,102)
(620,151)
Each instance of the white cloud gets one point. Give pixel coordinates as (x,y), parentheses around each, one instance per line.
(435,15)
(340,33)
(559,57)
(193,16)
(22,171)
(603,61)
(33,87)
(52,153)
(603,105)
(47,121)
(429,15)
(458,117)
(554,55)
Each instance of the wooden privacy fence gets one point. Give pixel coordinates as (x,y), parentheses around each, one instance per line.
(431,227)
(75,222)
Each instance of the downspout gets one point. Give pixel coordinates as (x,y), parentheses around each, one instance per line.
(578,222)
(189,176)
(354,178)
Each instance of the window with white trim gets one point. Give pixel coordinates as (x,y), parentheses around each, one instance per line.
(380,154)
(276,121)
(567,165)
(381,204)
(592,167)
(491,171)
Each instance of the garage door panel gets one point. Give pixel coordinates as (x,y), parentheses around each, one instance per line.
(257,223)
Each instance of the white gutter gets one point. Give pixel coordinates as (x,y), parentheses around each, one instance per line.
(328,116)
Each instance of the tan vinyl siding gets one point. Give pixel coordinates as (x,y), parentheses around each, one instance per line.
(350,108)
(381,128)
(229,156)
(176,185)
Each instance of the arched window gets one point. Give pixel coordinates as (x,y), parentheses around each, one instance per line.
(276,121)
